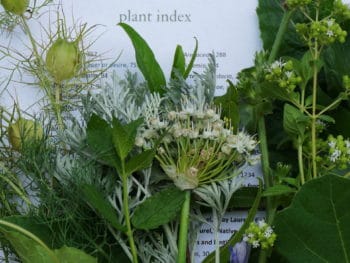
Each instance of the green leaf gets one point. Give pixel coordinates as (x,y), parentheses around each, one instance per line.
(158,209)
(102,206)
(140,161)
(31,249)
(337,64)
(146,61)
(229,104)
(73,255)
(28,250)
(294,121)
(193,58)
(237,237)
(124,136)
(32,225)
(326,118)
(179,63)
(99,138)
(278,190)
(315,228)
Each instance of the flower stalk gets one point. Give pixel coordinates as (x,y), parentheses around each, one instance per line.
(184,222)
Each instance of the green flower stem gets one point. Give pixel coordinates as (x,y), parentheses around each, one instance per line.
(216,223)
(31,236)
(314,105)
(127,214)
(300,160)
(268,180)
(58,106)
(184,222)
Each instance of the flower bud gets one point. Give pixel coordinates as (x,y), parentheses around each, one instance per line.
(17,7)
(23,130)
(63,59)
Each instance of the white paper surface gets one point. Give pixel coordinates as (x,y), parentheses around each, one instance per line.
(227,28)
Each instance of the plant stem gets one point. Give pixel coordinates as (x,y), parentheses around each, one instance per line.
(300,160)
(216,224)
(57,87)
(314,104)
(127,215)
(280,34)
(270,207)
(184,221)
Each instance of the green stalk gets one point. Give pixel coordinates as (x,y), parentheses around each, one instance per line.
(127,214)
(300,160)
(216,223)
(58,106)
(314,104)
(183,234)
(268,180)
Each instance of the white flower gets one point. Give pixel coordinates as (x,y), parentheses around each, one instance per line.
(330,22)
(262,223)
(332,144)
(226,149)
(139,141)
(289,74)
(268,232)
(149,134)
(210,113)
(335,155)
(161,150)
(256,244)
(330,33)
(172,115)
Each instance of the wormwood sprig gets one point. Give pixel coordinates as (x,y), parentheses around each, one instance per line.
(217,197)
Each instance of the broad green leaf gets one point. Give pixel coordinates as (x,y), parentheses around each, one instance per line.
(294,121)
(229,104)
(337,64)
(158,209)
(102,206)
(237,237)
(99,138)
(28,250)
(140,161)
(124,136)
(278,190)
(32,225)
(179,63)
(73,255)
(315,228)
(193,58)
(146,61)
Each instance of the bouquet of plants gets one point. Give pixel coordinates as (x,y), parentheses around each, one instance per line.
(125,169)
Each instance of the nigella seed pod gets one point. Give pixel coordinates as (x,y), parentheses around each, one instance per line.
(23,130)
(63,59)
(17,7)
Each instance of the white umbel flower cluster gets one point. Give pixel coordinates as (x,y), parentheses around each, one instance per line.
(196,146)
